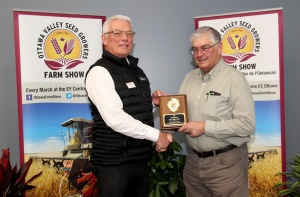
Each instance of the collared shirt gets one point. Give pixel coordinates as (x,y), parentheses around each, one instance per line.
(110,106)
(223,99)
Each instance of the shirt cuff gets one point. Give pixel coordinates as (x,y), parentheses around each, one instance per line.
(209,128)
(152,134)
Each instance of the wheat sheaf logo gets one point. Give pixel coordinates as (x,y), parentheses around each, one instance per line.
(238,45)
(62,49)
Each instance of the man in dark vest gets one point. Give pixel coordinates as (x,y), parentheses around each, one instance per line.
(121,106)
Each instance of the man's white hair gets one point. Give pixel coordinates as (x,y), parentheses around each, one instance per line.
(214,34)
(106,24)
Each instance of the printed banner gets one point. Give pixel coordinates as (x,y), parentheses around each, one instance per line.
(253,44)
(53,54)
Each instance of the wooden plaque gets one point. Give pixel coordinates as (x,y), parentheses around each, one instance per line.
(173,111)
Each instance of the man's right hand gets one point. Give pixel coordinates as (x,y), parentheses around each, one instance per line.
(155,96)
(163,141)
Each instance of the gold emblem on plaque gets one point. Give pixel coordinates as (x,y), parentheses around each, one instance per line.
(173,104)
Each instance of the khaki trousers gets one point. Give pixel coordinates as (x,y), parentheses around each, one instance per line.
(223,175)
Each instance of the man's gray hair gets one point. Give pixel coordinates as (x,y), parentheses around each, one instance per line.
(106,24)
(214,34)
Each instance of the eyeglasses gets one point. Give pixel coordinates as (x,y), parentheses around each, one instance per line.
(203,49)
(118,33)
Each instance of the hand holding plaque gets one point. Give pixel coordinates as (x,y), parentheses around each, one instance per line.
(173,111)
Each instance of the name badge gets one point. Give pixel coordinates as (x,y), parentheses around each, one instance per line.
(130,85)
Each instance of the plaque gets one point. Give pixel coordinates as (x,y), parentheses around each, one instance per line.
(173,111)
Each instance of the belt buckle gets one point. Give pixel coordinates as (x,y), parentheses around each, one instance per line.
(201,153)
(215,153)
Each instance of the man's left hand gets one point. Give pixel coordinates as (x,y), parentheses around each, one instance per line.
(194,129)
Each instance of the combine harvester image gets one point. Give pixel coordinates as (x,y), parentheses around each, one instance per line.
(79,142)
(78,136)
(74,159)
(77,139)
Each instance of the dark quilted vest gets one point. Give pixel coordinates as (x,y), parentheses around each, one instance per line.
(110,147)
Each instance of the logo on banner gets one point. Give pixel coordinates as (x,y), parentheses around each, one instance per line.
(28,97)
(68,95)
(240,42)
(62,46)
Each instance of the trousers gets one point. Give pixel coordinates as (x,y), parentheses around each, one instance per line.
(222,175)
(123,180)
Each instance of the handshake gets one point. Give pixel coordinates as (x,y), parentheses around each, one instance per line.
(163,141)
(164,138)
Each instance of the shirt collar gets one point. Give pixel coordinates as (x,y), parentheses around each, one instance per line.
(213,71)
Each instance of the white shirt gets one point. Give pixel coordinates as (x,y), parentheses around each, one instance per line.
(101,90)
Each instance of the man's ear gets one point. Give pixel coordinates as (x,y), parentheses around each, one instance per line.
(104,39)
(220,47)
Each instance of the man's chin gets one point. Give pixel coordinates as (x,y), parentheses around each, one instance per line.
(123,54)
(124,51)
(201,64)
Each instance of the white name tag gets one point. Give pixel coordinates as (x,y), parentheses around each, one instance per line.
(130,85)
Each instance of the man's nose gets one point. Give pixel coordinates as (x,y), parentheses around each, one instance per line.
(199,52)
(123,35)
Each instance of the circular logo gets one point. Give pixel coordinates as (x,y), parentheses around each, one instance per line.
(237,40)
(62,48)
(62,44)
(238,45)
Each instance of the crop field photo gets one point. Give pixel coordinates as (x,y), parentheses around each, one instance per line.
(262,173)
(54,181)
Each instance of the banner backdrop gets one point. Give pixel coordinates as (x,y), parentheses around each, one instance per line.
(53,54)
(253,44)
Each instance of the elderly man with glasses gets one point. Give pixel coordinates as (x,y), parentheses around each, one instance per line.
(121,106)
(222,118)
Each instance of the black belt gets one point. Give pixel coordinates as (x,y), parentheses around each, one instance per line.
(214,152)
